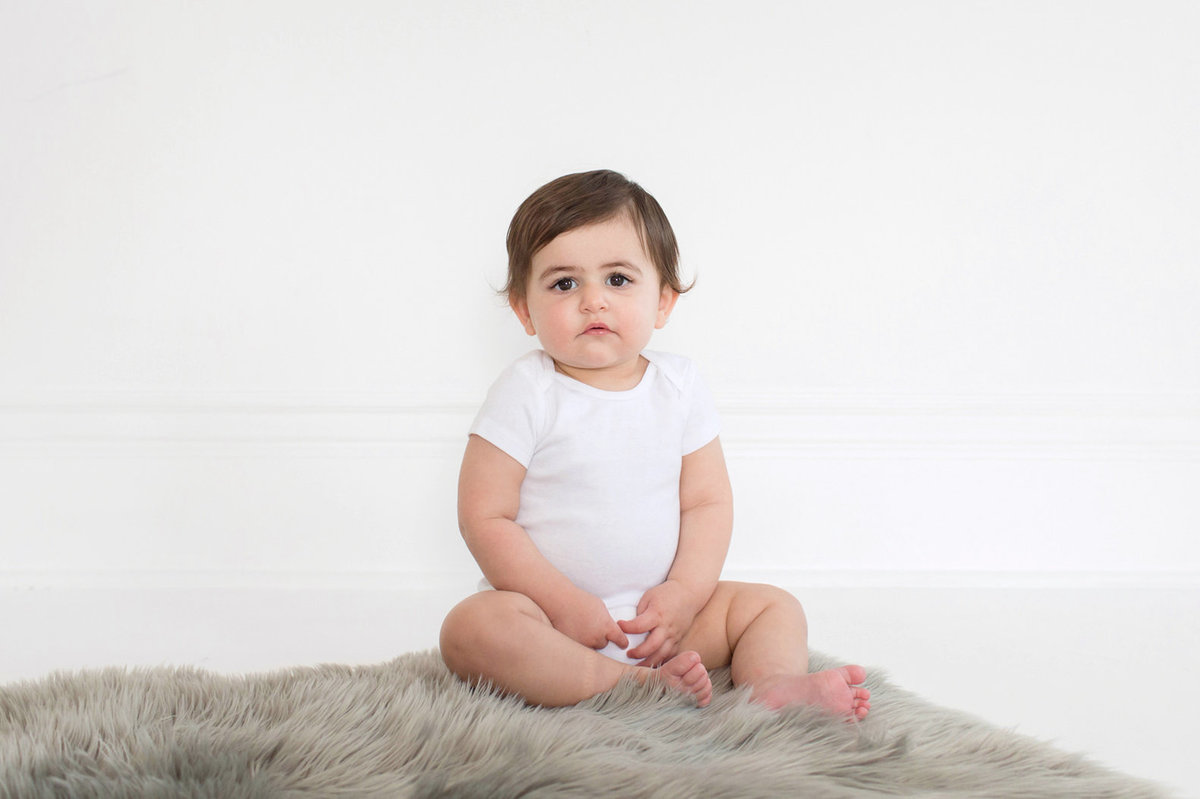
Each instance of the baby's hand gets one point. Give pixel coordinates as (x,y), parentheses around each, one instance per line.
(666,611)
(585,619)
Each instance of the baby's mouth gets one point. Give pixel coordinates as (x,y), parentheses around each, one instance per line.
(597,329)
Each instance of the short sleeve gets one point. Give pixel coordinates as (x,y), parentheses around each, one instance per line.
(511,416)
(703,424)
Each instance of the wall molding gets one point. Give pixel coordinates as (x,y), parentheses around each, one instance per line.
(759,400)
(816,424)
(829,402)
(968,448)
(233,401)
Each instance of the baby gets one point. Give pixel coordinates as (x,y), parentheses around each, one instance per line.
(593,492)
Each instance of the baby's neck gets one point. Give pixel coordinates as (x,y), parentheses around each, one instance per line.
(608,378)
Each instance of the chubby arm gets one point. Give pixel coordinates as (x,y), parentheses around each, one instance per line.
(705,526)
(489,494)
(705,521)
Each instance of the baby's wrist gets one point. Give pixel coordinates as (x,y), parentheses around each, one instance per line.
(700,592)
(692,593)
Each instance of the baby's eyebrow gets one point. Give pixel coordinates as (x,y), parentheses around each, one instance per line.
(556,270)
(632,267)
(560,269)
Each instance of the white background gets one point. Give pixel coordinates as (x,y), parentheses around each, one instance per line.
(946,257)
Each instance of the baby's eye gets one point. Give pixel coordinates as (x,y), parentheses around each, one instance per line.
(617,280)
(565,284)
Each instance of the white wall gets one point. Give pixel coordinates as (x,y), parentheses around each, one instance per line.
(947,257)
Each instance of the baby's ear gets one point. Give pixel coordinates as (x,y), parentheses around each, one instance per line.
(666,304)
(521,309)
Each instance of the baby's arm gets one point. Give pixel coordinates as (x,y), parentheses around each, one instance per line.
(489,493)
(705,526)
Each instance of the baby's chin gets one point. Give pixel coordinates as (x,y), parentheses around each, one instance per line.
(606,374)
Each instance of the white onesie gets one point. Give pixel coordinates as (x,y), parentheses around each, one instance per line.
(600,498)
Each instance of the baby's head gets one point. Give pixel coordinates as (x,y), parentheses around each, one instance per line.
(586,198)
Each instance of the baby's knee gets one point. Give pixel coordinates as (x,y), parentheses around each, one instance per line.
(462,630)
(762,596)
(783,599)
(476,626)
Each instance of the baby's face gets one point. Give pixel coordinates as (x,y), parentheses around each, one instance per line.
(593,300)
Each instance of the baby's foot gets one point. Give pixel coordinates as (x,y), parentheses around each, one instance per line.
(686,674)
(836,691)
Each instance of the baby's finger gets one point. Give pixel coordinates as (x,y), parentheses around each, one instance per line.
(656,659)
(613,633)
(647,649)
(642,623)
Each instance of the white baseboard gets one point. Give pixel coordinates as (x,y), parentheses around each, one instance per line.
(968,579)
(145,579)
(464,582)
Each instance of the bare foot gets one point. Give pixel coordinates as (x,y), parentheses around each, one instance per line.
(836,691)
(686,674)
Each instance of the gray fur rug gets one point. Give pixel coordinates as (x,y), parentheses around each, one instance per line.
(408,729)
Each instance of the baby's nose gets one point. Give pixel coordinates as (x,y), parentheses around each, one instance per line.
(593,299)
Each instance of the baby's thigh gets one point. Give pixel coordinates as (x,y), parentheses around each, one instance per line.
(490,606)
(709,633)
(729,613)
(483,622)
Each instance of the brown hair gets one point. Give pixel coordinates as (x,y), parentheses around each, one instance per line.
(585,198)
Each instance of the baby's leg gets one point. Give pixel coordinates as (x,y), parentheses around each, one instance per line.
(760,631)
(504,638)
